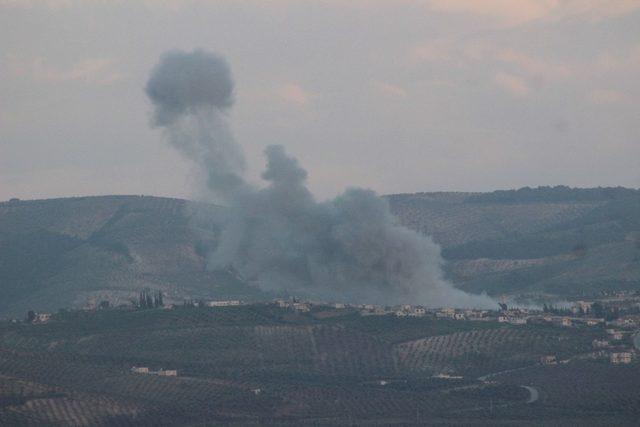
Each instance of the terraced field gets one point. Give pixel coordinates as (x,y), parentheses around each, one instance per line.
(480,352)
(261,364)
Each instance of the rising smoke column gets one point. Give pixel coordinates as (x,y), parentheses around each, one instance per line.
(348,248)
(192,93)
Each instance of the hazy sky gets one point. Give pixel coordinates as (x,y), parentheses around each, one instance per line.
(396,95)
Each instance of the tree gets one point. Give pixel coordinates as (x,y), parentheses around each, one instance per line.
(598,310)
(31,316)
(158,300)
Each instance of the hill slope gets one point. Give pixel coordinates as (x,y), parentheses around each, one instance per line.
(548,240)
(61,252)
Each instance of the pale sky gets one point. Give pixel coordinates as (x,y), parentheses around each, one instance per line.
(395,95)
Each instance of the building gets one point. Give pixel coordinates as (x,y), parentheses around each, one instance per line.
(620,358)
(548,360)
(419,312)
(566,322)
(448,312)
(42,318)
(301,306)
(581,307)
(230,303)
(161,372)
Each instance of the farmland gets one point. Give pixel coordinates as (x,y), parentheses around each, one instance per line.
(261,364)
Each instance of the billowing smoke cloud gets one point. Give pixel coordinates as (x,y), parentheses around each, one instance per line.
(192,93)
(279,236)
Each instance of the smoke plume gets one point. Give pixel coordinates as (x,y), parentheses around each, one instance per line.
(191,93)
(279,236)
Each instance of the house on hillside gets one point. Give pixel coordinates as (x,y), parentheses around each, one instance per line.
(167,373)
(581,307)
(302,306)
(282,303)
(140,370)
(624,357)
(230,303)
(42,318)
(548,360)
(446,312)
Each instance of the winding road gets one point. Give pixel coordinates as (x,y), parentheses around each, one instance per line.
(533,393)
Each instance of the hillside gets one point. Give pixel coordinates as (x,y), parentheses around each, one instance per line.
(559,241)
(67,252)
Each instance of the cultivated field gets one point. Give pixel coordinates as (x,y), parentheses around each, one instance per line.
(265,365)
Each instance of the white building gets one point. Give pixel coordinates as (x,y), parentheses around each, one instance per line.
(229,303)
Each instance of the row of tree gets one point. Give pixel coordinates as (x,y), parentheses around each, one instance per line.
(148,300)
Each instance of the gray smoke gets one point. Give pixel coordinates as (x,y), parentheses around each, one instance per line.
(192,93)
(279,236)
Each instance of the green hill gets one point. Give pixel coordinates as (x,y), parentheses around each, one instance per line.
(559,241)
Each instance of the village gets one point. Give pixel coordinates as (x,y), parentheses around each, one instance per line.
(617,316)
